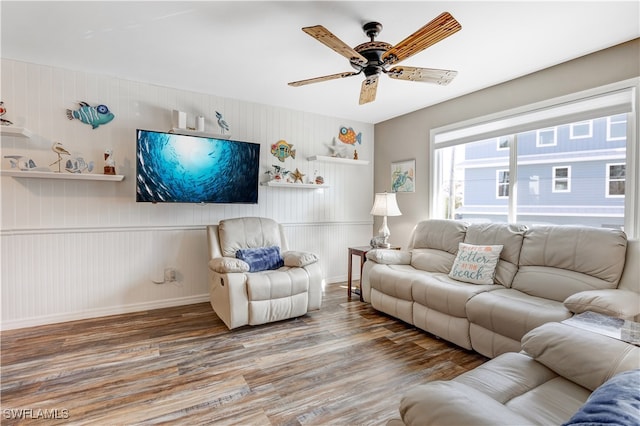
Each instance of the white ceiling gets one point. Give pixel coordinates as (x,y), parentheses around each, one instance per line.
(251,50)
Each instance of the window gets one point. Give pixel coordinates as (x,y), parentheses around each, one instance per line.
(503,143)
(581,130)
(497,168)
(561,179)
(617,127)
(502,183)
(546,137)
(616,176)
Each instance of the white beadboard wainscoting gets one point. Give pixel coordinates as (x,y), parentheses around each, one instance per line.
(61,275)
(80,248)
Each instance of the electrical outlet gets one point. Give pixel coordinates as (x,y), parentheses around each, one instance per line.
(169,274)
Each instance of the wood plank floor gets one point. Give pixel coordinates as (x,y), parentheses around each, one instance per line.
(346,364)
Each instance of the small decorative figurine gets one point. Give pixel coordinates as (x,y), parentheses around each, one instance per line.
(60,151)
(21,162)
(224,127)
(355,154)
(338,151)
(349,136)
(319,180)
(91,115)
(3,111)
(278,172)
(78,165)
(282,150)
(109,163)
(297,176)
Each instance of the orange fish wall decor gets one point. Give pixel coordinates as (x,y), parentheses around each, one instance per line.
(349,136)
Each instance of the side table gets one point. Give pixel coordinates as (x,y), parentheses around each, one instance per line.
(362,252)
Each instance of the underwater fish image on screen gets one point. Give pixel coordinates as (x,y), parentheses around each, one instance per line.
(193,169)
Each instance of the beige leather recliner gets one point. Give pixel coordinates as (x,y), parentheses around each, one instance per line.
(240,297)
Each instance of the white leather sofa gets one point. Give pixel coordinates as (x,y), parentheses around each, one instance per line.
(289,287)
(544,274)
(564,375)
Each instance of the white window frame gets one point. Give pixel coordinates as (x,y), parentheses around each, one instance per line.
(608,180)
(555,179)
(574,126)
(612,99)
(609,125)
(539,143)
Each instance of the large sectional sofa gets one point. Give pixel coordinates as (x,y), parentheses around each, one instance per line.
(544,273)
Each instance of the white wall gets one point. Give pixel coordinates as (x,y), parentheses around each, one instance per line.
(77,249)
(407,137)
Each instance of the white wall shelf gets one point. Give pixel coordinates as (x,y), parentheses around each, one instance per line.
(15,131)
(188,132)
(327,159)
(294,185)
(61,175)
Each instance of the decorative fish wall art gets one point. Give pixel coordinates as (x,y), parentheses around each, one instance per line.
(92,115)
(349,136)
(282,150)
(3,111)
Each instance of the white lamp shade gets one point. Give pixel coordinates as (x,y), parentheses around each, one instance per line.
(385,205)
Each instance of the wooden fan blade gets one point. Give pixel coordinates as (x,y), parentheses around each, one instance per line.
(324,78)
(428,75)
(369,89)
(327,38)
(438,29)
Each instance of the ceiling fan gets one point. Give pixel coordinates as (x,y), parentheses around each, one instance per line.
(375,57)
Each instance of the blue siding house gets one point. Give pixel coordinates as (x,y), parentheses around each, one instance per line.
(569,174)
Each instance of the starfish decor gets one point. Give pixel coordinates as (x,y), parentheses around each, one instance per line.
(297,176)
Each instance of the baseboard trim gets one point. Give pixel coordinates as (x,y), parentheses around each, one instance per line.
(102,312)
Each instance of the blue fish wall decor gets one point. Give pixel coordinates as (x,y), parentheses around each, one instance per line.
(92,115)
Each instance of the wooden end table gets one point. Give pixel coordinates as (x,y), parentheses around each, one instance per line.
(362,252)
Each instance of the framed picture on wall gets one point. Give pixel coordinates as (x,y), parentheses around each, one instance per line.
(403,176)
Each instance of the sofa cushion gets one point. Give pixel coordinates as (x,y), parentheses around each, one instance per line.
(439,234)
(445,294)
(247,232)
(261,258)
(475,264)
(613,302)
(552,344)
(558,261)
(512,313)
(510,236)
(616,402)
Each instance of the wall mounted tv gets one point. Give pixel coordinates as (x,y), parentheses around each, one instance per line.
(174,168)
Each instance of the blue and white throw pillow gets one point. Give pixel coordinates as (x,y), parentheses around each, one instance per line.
(261,258)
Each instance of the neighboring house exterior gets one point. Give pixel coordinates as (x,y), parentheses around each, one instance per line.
(569,174)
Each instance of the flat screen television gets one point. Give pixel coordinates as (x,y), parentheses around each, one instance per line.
(174,168)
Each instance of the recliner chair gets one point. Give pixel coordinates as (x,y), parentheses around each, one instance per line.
(253,276)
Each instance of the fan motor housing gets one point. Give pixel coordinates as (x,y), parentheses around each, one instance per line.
(372,51)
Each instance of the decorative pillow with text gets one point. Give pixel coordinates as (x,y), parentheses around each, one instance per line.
(475,264)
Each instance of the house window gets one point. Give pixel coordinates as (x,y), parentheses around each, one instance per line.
(581,130)
(616,175)
(617,127)
(496,169)
(546,137)
(502,183)
(503,143)
(561,179)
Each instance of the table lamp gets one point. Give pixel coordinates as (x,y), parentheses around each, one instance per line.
(385,205)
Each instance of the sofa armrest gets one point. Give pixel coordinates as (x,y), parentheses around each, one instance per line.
(452,403)
(390,257)
(226,265)
(594,358)
(298,259)
(612,302)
